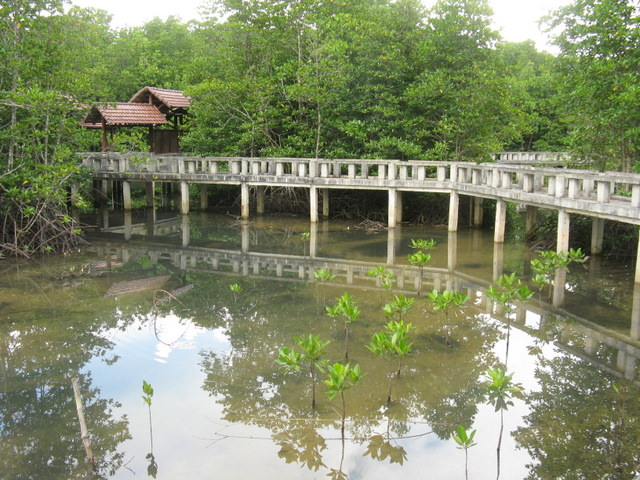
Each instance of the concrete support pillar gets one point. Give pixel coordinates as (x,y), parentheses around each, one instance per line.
(477,212)
(454,203)
(635,313)
(452,250)
(313,204)
(150,221)
(128,225)
(313,240)
(184,198)
(559,283)
(244,201)
(104,192)
(564,222)
(325,202)
(245,237)
(637,279)
(126,195)
(498,260)
(393,209)
(204,198)
(150,188)
(260,200)
(597,235)
(501,221)
(391,246)
(185,227)
(530,219)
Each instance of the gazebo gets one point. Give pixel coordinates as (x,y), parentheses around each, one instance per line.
(150,107)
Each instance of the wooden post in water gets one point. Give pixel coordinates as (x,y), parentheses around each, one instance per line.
(476,212)
(398,206)
(84,431)
(638,262)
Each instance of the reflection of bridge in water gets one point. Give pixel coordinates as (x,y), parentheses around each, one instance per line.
(612,351)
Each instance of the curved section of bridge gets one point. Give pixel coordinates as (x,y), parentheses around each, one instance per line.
(601,196)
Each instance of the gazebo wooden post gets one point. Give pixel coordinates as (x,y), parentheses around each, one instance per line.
(104,135)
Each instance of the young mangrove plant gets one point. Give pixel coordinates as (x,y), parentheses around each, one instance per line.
(398,308)
(313,349)
(392,343)
(323,275)
(305,237)
(384,277)
(465,441)
(507,291)
(348,310)
(445,302)
(236,290)
(147,396)
(501,391)
(420,258)
(549,261)
(340,378)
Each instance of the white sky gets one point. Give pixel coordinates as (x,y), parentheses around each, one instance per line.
(517,20)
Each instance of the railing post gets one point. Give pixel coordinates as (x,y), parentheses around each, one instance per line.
(604,191)
(574,187)
(560,186)
(635,196)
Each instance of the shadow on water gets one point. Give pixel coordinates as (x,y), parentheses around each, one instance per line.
(222,405)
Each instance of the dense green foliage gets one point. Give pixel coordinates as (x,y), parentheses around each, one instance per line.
(311,78)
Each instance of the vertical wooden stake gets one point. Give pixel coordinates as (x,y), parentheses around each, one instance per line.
(84,432)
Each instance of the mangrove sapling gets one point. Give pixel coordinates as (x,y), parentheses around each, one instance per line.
(501,391)
(444,302)
(399,307)
(465,441)
(313,349)
(422,244)
(508,289)
(348,310)
(384,277)
(392,343)
(420,258)
(236,290)
(323,275)
(340,378)
(147,390)
(549,261)
(305,237)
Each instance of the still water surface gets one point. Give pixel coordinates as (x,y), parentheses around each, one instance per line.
(151,301)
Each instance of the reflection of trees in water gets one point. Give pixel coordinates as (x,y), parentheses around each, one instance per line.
(441,384)
(582,424)
(39,429)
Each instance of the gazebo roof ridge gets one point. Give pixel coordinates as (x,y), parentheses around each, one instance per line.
(168,97)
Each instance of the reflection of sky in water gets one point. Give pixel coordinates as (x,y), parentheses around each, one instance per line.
(191,441)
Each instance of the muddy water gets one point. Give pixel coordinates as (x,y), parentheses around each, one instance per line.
(152,300)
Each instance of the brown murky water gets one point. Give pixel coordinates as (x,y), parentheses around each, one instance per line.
(153,300)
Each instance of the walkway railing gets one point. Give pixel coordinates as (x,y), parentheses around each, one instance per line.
(610,195)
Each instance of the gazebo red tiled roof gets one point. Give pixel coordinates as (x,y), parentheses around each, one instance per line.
(124,114)
(165,97)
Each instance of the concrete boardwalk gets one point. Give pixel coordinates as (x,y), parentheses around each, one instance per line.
(601,196)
